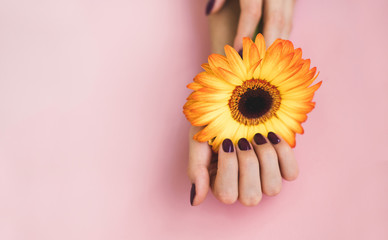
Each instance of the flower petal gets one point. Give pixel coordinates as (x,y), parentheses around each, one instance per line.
(207,118)
(290,122)
(247,43)
(230,77)
(235,62)
(260,44)
(212,81)
(284,131)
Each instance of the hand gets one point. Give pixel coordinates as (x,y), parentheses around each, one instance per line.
(240,172)
(277,18)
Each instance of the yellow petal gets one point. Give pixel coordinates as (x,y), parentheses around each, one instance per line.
(290,122)
(284,131)
(212,81)
(207,118)
(230,77)
(216,61)
(201,95)
(235,62)
(205,107)
(296,106)
(271,59)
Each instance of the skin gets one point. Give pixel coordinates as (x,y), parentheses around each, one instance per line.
(243,175)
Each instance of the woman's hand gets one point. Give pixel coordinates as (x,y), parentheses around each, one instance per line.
(246,171)
(277,17)
(240,172)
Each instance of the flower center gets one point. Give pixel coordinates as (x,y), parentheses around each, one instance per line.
(254,102)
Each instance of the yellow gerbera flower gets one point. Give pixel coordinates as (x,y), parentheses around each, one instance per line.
(265,91)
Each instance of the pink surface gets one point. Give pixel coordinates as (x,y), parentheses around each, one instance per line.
(93,140)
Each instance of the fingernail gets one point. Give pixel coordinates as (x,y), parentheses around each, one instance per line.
(243,144)
(259,139)
(209,6)
(273,138)
(240,53)
(192,194)
(227,145)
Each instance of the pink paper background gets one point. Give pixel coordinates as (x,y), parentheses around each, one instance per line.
(93,139)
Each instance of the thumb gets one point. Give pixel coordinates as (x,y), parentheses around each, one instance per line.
(214,6)
(199,159)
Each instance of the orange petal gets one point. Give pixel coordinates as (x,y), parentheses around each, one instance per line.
(200,95)
(216,61)
(212,81)
(206,67)
(207,118)
(260,44)
(194,86)
(247,43)
(284,131)
(290,122)
(235,62)
(230,77)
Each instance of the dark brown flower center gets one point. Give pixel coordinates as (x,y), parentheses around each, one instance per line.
(254,102)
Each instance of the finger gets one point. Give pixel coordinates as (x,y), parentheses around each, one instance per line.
(223,25)
(199,160)
(249,19)
(271,180)
(274,20)
(226,182)
(249,174)
(214,6)
(288,16)
(287,162)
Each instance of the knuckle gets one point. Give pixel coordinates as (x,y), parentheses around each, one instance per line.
(249,163)
(268,154)
(251,199)
(253,11)
(276,19)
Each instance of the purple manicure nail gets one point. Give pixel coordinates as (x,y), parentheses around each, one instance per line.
(209,6)
(227,145)
(259,139)
(243,144)
(273,138)
(192,194)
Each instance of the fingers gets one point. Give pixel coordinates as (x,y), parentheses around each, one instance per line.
(199,160)
(271,180)
(249,19)
(226,180)
(250,169)
(287,162)
(249,178)
(277,19)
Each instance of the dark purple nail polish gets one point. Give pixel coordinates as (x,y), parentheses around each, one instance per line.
(243,144)
(273,138)
(240,53)
(227,145)
(192,194)
(209,6)
(259,139)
